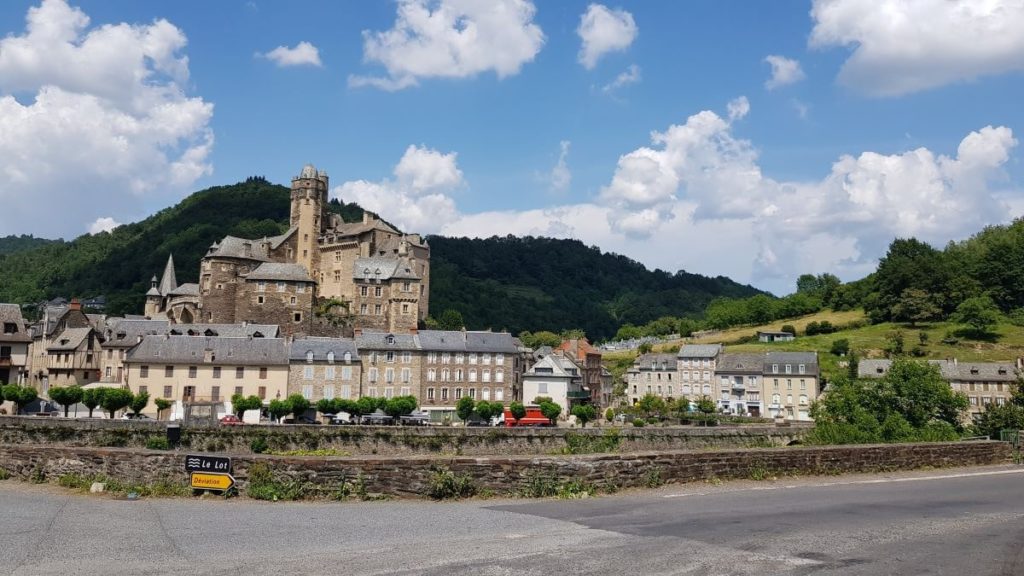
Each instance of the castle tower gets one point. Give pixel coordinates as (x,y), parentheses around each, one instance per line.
(309,215)
(154,300)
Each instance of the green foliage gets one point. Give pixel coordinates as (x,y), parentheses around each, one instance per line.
(445,484)
(540,338)
(978,313)
(584,413)
(517,409)
(114,399)
(161,405)
(650,406)
(487,410)
(998,417)
(895,343)
(279,409)
(19,395)
(66,396)
(158,443)
(609,415)
(550,410)
(644,348)
(139,402)
(639,422)
(12,244)
(464,408)
(263,485)
(609,441)
(789,328)
(450,319)
(297,404)
(259,445)
(840,347)
(91,399)
(400,406)
(915,306)
(706,405)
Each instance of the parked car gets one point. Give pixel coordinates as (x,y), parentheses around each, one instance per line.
(129,416)
(378,418)
(301,420)
(231,420)
(415,419)
(341,419)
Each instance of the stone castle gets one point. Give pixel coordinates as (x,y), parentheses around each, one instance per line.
(290,280)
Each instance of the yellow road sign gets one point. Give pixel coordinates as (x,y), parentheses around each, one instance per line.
(212,481)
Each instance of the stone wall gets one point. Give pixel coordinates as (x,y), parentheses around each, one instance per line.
(395,440)
(514,475)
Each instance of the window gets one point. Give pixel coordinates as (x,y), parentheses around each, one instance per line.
(261,286)
(542,388)
(485,358)
(297,317)
(260,299)
(458,393)
(389,375)
(406,391)
(307,373)
(348,357)
(216,372)
(337,276)
(329,373)
(776,399)
(406,375)
(168,371)
(789,368)
(499,375)
(444,394)
(307,391)
(405,308)
(373,375)
(485,394)
(485,375)
(472,393)
(363,290)
(430,394)
(239,373)
(775,368)
(292,300)
(472,358)
(372,391)
(192,371)
(168,391)
(458,374)
(238,390)
(803,399)
(215,393)
(362,309)
(803,384)
(432,358)
(389,392)
(431,375)
(346,391)
(800,368)
(406,357)
(499,358)
(377,291)
(406,287)
(389,357)
(346,372)
(376,309)
(300,288)
(446,358)
(472,374)
(446,375)
(108,372)
(262,392)
(281,286)
(789,384)
(329,392)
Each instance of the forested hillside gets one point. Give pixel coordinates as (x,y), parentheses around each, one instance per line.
(12,244)
(511,283)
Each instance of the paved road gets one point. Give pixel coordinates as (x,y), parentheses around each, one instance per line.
(959,522)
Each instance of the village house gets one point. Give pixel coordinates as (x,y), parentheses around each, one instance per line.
(14,345)
(697,364)
(655,374)
(790,384)
(557,377)
(324,368)
(739,377)
(588,359)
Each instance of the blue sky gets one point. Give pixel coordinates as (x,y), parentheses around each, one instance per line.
(894,119)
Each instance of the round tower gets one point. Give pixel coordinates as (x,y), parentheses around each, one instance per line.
(309,214)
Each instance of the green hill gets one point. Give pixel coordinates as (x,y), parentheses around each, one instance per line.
(511,283)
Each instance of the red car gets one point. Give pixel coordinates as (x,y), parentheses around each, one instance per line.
(231,420)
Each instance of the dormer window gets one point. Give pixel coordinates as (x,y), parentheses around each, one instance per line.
(10,328)
(348,357)
(330,357)
(974,370)
(390,339)
(309,356)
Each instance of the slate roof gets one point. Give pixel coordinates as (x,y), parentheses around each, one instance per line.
(226,351)
(950,370)
(169,281)
(700,351)
(320,347)
(554,362)
(188,289)
(69,339)
(653,361)
(123,333)
(378,341)
(11,314)
(383,268)
(356,228)
(470,341)
(808,359)
(234,247)
(226,330)
(282,272)
(735,363)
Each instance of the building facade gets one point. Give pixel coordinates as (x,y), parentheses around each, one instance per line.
(324,368)
(790,384)
(14,345)
(697,364)
(655,374)
(557,377)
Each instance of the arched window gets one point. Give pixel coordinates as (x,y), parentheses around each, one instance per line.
(330,357)
(309,356)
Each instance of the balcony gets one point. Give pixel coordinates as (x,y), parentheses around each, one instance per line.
(738,385)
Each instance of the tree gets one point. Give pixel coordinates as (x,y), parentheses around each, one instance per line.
(240,404)
(650,405)
(895,343)
(584,413)
(550,410)
(21,396)
(139,402)
(326,406)
(789,328)
(840,347)
(450,320)
(487,410)
(335,312)
(91,398)
(464,408)
(114,399)
(161,405)
(365,405)
(644,348)
(66,396)
(915,305)
(706,406)
(517,409)
(537,339)
(609,415)
(279,408)
(979,313)
(298,405)
(400,406)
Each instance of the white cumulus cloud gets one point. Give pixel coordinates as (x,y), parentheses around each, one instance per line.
(418,198)
(93,120)
(900,47)
(630,75)
(602,31)
(451,39)
(103,224)
(561,177)
(784,71)
(303,54)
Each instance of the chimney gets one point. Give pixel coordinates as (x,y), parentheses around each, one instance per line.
(357,332)
(76,304)
(366,217)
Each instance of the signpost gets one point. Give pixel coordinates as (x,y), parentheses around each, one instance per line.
(209,472)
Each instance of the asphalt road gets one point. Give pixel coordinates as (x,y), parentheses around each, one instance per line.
(955,522)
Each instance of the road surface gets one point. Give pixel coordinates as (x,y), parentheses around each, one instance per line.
(955,522)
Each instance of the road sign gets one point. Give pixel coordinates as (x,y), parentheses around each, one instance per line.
(203,463)
(212,481)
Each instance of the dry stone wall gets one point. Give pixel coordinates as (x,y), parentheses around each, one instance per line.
(412,476)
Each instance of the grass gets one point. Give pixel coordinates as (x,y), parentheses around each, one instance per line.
(866,340)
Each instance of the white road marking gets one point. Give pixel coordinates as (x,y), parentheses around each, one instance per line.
(853,482)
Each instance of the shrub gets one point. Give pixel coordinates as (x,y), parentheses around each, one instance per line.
(574,489)
(158,443)
(639,422)
(609,415)
(789,328)
(258,445)
(263,485)
(445,484)
(840,347)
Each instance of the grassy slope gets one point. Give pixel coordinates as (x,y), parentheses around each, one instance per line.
(868,341)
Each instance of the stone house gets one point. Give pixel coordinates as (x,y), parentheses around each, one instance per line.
(207,369)
(739,377)
(653,373)
(790,384)
(480,365)
(588,359)
(322,368)
(697,364)
(391,364)
(14,345)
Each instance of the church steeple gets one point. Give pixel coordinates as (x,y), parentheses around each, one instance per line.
(168,282)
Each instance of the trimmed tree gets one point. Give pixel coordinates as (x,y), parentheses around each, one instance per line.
(21,396)
(91,398)
(706,406)
(464,408)
(517,409)
(487,410)
(161,405)
(66,396)
(400,406)
(139,402)
(241,404)
(609,415)
(551,411)
(279,408)
(298,405)
(584,413)
(114,399)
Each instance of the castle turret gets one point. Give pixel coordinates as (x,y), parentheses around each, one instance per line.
(309,214)
(154,300)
